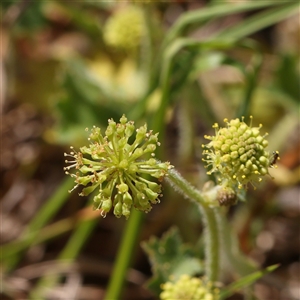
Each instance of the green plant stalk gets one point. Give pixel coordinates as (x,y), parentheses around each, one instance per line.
(201,15)
(125,253)
(229,244)
(52,205)
(66,256)
(260,20)
(47,211)
(212,244)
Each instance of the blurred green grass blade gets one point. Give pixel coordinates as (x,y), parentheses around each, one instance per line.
(246,281)
(78,238)
(260,20)
(48,210)
(47,233)
(216,11)
(66,256)
(53,204)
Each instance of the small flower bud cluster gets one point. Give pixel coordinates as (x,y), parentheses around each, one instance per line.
(125,28)
(189,288)
(116,167)
(218,195)
(237,153)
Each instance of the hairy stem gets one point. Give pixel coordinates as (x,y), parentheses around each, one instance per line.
(234,258)
(211,230)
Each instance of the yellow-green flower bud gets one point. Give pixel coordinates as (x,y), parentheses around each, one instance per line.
(189,288)
(116,167)
(237,154)
(118,210)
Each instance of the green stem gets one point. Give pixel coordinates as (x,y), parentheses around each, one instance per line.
(212,244)
(211,230)
(125,254)
(229,243)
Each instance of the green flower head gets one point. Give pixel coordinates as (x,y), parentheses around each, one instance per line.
(189,288)
(237,153)
(117,168)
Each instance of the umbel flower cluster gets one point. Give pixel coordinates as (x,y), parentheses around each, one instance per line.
(117,168)
(237,153)
(189,288)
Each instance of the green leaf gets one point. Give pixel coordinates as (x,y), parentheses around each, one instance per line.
(169,257)
(259,21)
(196,17)
(245,281)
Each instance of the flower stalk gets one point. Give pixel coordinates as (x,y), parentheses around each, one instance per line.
(204,201)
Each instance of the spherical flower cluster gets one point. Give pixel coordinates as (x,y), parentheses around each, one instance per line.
(188,288)
(125,28)
(117,168)
(237,154)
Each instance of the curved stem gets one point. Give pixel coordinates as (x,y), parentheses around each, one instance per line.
(201,15)
(212,237)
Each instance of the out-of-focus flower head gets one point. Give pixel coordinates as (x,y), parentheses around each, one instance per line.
(125,28)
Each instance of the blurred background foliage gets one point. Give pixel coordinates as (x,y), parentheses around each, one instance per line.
(181,66)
